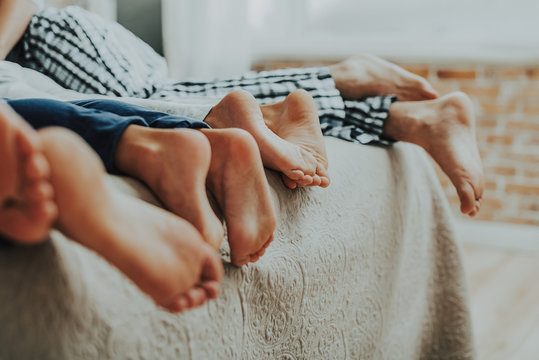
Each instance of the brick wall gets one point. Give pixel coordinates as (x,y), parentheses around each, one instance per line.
(506,100)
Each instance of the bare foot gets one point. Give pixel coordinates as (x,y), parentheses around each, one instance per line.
(445,128)
(27,208)
(298,153)
(237,180)
(367,75)
(164,255)
(295,120)
(174,165)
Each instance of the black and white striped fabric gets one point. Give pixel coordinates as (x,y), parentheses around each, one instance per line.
(359,121)
(82,52)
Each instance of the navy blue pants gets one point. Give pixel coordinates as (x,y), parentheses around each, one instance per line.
(100,123)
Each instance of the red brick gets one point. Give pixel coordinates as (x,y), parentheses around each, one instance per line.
(502,170)
(491,91)
(497,108)
(490,185)
(484,215)
(530,206)
(456,73)
(486,122)
(531,109)
(504,73)
(533,73)
(523,189)
(491,203)
(500,139)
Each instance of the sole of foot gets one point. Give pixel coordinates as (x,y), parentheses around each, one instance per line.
(445,128)
(238,182)
(162,254)
(296,121)
(27,215)
(174,164)
(296,157)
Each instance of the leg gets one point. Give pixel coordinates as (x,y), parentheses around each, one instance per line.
(445,128)
(287,133)
(27,209)
(163,254)
(174,165)
(242,191)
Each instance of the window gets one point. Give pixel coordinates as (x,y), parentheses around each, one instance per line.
(490,29)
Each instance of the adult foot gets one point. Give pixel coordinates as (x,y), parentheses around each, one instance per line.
(237,180)
(174,165)
(27,208)
(164,255)
(366,75)
(445,128)
(300,156)
(295,120)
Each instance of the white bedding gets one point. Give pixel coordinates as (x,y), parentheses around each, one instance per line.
(366,269)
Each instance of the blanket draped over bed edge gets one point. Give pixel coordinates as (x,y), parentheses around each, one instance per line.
(365,269)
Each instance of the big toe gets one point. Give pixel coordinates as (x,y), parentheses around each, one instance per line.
(467,198)
(28,224)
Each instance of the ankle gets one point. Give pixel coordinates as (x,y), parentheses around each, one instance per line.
(135,148)
(406,122)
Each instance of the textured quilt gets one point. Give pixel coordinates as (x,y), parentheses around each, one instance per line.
(365,269)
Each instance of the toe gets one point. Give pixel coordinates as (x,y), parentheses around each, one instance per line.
(196,296)
(289,183)
(37,167)
(467,198)
(39,191)
(213,266)
(179,305)
(428,90)
(212,288)
(306,181)
(295,175)
(317,180)
(325,182)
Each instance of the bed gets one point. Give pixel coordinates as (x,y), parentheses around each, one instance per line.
(366,269)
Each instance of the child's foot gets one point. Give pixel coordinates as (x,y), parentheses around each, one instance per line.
(164,255)
(28,209)
(445,128)
(298,157)
(174,165)
(237,180)
(295,120)
(366,75)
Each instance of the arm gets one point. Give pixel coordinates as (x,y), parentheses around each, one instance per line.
(15,15)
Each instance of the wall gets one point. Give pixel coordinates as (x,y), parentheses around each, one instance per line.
(143,18)
(506,100)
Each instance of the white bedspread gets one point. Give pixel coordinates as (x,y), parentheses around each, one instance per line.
(366,269)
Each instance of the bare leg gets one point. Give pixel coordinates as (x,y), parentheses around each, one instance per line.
(27,208)
(164,255)
(242,191)
(445,128)
(292,145)
(174,165)
(367,75)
